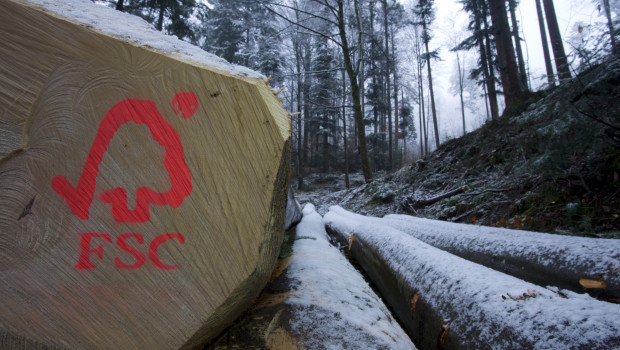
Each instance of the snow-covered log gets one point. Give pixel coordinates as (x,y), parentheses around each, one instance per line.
(316,300)
(575,263)
(142,182)
(293,210)
(444,300)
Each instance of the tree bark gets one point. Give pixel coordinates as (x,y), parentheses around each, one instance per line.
(610,24)
(355,93)
(430,87)
(509,72)
(486,56)
(344,132)
(561,63)
(517,41)
(160,18)
(119,5)
(461,78)
(388,89)
(444,315)
(545,44)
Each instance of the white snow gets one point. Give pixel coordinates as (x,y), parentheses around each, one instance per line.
(572,256)
(336,305)
(135,30)
(482,303)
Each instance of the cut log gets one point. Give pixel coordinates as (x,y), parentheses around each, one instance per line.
(316,300)
(444,301)
(142,182)
(293,210)
(540,258)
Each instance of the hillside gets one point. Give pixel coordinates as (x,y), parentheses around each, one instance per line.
(551,164)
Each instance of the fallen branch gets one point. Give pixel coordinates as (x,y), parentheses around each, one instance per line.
(429,201)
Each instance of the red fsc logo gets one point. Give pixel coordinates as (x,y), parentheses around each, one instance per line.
(80,197)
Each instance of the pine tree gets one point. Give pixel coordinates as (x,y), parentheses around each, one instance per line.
(509,72)
(424,12)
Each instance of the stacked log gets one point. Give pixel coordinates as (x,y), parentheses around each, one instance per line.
(444,301)
(142,182)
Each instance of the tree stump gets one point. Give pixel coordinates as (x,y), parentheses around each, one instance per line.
(142,188)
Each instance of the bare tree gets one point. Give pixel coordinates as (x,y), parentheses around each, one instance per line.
(545,44)
(561,63)
(509,72)
(512,4)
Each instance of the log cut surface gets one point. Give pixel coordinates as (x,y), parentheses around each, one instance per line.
(445,301)
(142,183)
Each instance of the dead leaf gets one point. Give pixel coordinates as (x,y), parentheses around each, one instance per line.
(589,283)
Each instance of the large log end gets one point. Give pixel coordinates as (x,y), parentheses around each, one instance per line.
(142,190)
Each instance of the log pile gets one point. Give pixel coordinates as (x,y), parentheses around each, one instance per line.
(444,301)
(142,183)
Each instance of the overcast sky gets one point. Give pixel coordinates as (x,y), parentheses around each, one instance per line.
(450,20)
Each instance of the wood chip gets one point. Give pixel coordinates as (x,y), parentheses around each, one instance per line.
(589,283)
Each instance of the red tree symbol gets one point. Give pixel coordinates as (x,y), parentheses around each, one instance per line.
(79,198)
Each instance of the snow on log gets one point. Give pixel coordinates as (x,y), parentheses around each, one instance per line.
(446,301)
(317,300)
(142,182)
(575,263)
(293,210)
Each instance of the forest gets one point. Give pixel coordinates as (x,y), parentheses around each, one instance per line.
(358,74)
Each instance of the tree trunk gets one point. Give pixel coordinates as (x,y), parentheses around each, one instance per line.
(388,89)
(526,255)
(461,78)
(430,87)
(517,41)
(396,108)
(430,290)
(509,73)
(344,132)
(561,63)
(545,44)
(160,18)
(119,5)
(92,123)
(486,56)
(355,93)
(610,24)
(307,66)
(298,66)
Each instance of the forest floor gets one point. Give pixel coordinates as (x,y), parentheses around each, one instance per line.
(547,165)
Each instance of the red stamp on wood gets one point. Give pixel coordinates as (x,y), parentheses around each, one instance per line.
(80,197)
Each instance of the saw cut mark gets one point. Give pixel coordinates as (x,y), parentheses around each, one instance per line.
(80,198)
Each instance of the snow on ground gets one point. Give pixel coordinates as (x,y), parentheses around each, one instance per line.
(336,305)
(482,305)
(133,29)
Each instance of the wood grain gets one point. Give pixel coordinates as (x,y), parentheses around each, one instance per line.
(58,80)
